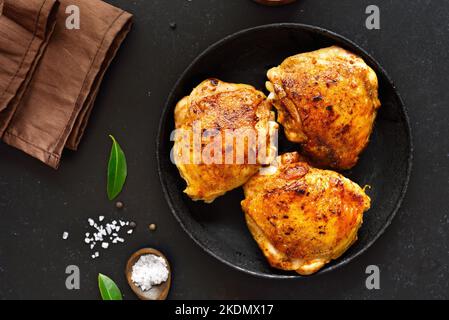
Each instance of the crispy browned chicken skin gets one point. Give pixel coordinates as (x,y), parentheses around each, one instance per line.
(303,217)
(221,106)
(326,101)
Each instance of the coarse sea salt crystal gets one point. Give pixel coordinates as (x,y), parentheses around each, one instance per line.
(148,271)
(104,234)
(65,235)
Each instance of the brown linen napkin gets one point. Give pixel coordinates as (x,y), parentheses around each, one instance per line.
(25,27)
(56,105)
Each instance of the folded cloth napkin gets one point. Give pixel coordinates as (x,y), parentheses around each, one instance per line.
(25,28)
(52,111)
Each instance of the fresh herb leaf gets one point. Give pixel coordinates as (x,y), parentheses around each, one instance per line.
(108,288)
(117,170)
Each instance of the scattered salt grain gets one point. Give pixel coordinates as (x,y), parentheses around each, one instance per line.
(148,271)
(65,235)
(104,233)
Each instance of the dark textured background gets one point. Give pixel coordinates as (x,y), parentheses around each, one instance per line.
(37,204)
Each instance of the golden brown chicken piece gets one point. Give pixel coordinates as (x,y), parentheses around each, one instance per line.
(327,101)
(303,217)
(221,107)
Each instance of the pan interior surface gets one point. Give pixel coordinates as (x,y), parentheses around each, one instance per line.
(220,228)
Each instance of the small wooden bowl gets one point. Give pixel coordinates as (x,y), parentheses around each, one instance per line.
(159,292)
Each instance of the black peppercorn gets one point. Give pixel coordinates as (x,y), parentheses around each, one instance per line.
(119,205)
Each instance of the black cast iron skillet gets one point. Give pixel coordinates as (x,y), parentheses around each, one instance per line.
(219,228)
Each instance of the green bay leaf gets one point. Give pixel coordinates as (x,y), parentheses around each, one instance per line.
(117,170)
(108,288)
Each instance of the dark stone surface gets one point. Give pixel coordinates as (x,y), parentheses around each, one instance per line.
(37,204)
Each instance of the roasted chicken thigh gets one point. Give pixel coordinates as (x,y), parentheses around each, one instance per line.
(327,101)
(303,217)
(215,108)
